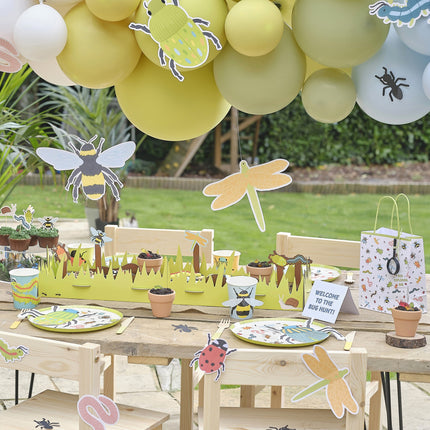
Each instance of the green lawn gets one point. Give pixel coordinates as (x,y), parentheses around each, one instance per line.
(334,216)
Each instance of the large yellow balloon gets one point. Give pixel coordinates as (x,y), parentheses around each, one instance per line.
(337,33)
(112,10)
(98,54)
(214,11)
(254,27)
(329,95)
(161,106)
(261,85)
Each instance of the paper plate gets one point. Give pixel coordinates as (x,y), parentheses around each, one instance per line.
(321,272)
(280,332)
(74,319)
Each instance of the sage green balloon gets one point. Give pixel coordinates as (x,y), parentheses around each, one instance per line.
(328,95)
(337,33)
(264,84)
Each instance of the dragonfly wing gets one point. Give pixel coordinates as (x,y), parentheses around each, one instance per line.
(339,397)
(267,176)
(229,191)
(326,363)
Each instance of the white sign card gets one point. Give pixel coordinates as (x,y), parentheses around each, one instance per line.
(326,300)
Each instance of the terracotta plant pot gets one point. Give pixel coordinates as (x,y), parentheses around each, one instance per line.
(406,322)
(150,264)
(19,244)
(4,240)
(48,242)
(260,272)
(161,304)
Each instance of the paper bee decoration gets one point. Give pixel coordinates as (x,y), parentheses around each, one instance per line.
(91,167)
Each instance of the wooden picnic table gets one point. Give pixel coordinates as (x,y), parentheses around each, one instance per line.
(154,338)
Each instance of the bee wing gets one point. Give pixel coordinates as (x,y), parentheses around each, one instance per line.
(60,159)
(117,155)
(94,232)
(232,302)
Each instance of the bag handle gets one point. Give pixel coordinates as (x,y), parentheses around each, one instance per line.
(395,207)
(409,211)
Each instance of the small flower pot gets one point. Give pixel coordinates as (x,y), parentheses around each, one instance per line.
(48,242)
(19,244)
(406,322)
(263,273)
(4,240)
(161,304)
(150,264)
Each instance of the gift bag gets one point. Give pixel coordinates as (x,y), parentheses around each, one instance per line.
(392,265)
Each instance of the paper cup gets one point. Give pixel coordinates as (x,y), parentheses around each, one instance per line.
(84,250)
(25,288)
(224,256)
(241,296)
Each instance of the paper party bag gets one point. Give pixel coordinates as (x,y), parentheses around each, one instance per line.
(392,265)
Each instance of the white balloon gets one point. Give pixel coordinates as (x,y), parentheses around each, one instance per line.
(10,10)
(418,37)
(389,85)
(51,72)
(40,33)
(426,81)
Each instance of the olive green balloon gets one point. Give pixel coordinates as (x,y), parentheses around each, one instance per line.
(337,33)
(329,95)
(264,84)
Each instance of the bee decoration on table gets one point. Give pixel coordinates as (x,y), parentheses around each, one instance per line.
(91,166)
(178,35)
(243,304)
(48,222)
(99,237)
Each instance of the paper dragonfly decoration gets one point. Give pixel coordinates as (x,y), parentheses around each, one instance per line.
(98,411)
(196,239)
(9,57)
(338,393)
(91,167)
(249,180)
(400,13)
(178,35)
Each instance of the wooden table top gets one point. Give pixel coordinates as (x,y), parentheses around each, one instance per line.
(153,337)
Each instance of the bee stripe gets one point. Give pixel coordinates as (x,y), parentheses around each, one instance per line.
(85,153)
(89,180)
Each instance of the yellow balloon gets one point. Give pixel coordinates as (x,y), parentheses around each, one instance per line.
(337,33)
(214,11)
(254,27)
(112,10)
(98,54)
(286,8)
(329,95)
(265,84)
(161,106)
(312,66)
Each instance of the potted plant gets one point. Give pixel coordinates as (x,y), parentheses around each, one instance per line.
(19,239)
(151,260)
(260,270)
(48,237)
(4,235)
(34,235)
(161,300)
(406,318)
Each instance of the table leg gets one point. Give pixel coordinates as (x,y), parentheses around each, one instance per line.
(186,407)
(109,380)
(399,401)
(375,404)
(385,377)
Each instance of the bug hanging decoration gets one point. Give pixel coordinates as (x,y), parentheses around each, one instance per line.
(400,13)
(91,166)
(179,36)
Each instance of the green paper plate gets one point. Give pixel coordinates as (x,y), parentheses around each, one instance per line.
(279,332)
(322,272)
(74,319)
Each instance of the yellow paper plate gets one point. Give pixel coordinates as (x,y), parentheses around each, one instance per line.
(279,332)
(73,319)
(321,272)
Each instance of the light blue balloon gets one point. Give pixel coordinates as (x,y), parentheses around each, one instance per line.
(416,38)
(389,85)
